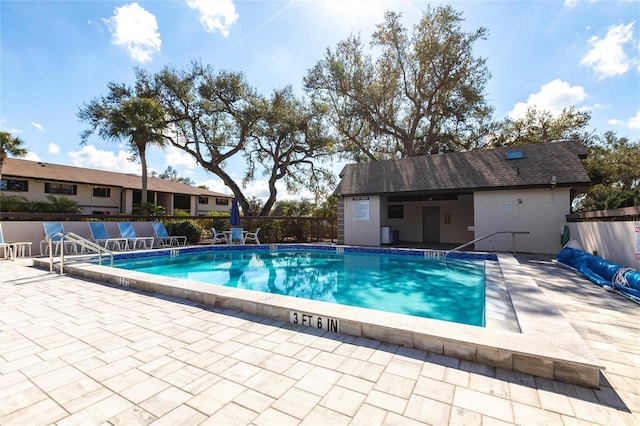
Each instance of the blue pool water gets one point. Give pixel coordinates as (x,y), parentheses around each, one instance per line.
(408,285)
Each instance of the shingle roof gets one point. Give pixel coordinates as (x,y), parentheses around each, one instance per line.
(472,170)
(14,167)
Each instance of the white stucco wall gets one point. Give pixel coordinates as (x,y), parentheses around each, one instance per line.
(362,232)
(617,242)
(542,212)
(460,212)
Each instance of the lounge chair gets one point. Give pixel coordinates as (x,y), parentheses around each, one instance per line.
(6,247)
(101,237)
(133,241)
(218,238)
(252,236)
(54,233)
(163,237)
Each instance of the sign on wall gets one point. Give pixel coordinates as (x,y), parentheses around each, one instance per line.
(637,242)
(361,210)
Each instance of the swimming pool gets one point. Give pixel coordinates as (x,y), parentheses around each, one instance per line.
(401,283)
(523,332)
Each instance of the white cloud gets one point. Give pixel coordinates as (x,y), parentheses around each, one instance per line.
(215,14)
(136,29)
(177,158)
(32,156)
(633,123)
(570,3)
(552,97)
(37,126)
(607,57)
(53,148)
(93,158)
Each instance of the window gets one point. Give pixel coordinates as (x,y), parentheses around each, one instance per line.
(395,211)
(222,201)
(102,192)
(60,188)
(14,185)
(514,155)
(203,200)
(181,202)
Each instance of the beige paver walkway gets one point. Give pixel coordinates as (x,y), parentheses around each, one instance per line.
(77,352)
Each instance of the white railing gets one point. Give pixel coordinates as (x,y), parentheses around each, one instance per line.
(87,247)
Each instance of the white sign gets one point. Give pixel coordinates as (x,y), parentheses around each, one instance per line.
(507,207)
(315,321)
(637,242)
(361,210)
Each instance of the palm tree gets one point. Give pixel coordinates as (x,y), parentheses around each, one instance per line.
(123,115)
(9,145)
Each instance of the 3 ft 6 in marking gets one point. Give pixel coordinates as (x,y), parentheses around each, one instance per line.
(315,321)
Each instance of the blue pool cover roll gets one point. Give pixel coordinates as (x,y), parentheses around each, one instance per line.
(623,280)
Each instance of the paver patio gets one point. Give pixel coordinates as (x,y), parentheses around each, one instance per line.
(77,352)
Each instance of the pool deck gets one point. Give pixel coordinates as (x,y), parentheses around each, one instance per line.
(76,352)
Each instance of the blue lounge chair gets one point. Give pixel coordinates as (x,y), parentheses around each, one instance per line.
(54,233)
(133,241)
(101,237)
(163,237)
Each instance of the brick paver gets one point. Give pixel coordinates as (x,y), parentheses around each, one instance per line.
(76,352)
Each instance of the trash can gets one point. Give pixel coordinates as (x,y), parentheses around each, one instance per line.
(396,236)
(386,235)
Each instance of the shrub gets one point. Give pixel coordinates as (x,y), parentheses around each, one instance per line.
(188,228)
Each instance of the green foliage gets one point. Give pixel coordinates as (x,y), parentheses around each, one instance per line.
(130,115)
(418,93)
(328,208)
(180,212)
(13,203)
(213,219)
(62,205)
(188,228)
(10,145)
(171,174)
(612,164)
(149,209)
(217,116)
(541,126)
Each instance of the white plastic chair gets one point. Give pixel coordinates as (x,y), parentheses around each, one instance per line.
(218,238)
(252,236)
(8,250)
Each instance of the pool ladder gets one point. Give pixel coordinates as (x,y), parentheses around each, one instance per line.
(84,244)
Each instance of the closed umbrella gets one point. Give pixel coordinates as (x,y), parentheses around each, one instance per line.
(234,219)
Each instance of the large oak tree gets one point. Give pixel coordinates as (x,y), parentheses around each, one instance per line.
(421,93)
(218,116)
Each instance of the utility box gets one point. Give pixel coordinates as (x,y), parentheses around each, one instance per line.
(386,235)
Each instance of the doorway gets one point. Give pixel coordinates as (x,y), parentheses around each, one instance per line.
(431,224)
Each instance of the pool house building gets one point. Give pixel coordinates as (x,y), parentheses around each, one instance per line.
(451,199)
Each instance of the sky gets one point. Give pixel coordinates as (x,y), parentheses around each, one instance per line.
(56,56)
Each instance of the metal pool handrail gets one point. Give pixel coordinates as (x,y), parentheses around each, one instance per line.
(513,236)
(78,240)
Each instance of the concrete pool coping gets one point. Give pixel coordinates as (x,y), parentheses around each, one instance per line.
(547,345)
